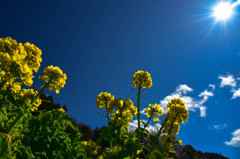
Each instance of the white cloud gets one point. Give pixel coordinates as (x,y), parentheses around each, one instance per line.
(191,103)
(183,89)
(142,112)
(228,80)
(236,93)
(212,85)
(203,111)
(206,94)
(235,141)
(220,126)
(152,129)
(231,81)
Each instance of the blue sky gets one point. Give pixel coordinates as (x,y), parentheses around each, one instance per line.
(100,44)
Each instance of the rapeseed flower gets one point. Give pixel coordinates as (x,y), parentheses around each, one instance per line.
(55,76)
(153,110)
(105,100)
(61,110)
(142,79)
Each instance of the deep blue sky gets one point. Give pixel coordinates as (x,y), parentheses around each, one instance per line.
(100,44)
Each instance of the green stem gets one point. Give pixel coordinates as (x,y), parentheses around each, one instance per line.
(169,132)
(108,117)
(159,133)
(147,123)
(138,104)
(138,116)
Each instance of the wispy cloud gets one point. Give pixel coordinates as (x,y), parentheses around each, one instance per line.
(191,103)
(235,141)
(212,86)
(218,126)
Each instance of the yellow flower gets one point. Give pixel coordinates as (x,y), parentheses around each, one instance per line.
(57,77)
(118,103)
(153,109)
(134,110)
(169,146)
(179,142)
(176,106)
(85,143)
(119,121)
(139,151)
(105,100)
(61,110)
(16,87)
(28,82)
(155,119)
(142,79)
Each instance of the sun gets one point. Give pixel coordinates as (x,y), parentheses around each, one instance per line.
(223,11)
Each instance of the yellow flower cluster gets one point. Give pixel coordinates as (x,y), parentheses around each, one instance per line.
(16,86)
(90,147)
(122,117)
(6,77)
(141,78)
(55,76)
(179,142)
(153,110)
(18,60)
(177,107)
(128,104)
(61,110)
(27,95)
(168,139)
(105,100)
(125,111)
(118,103)
(174,129)
(139,151)
(176,114)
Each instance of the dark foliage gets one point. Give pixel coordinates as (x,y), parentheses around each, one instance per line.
(48,104)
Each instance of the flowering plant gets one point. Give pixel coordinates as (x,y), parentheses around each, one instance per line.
(119,113)
(23,134)
(27,132)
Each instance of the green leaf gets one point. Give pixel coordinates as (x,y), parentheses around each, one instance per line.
(154,139)
(99,140)
(172,151)
(4,152)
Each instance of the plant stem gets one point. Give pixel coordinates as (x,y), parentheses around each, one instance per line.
(169,132)
(147,123)
(138,116)
(138,104)
(159,133)
(110,141)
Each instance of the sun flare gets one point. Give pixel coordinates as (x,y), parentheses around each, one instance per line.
(223,11)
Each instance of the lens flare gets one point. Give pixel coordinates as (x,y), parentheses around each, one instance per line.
(223,11)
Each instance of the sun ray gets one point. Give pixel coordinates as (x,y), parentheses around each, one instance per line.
(223,11)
